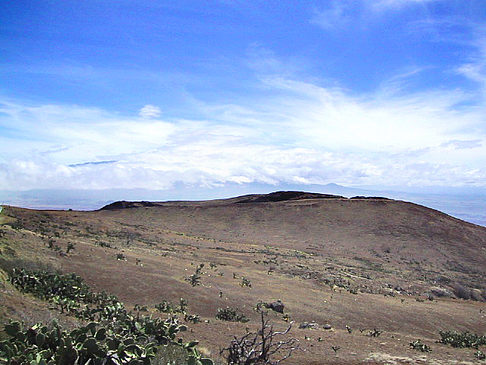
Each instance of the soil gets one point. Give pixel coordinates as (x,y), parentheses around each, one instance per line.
(364,263)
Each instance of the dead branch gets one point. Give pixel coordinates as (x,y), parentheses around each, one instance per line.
(258,348)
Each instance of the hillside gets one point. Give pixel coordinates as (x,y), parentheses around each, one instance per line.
(365,263)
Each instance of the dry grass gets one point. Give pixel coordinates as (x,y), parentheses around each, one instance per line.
(311,254)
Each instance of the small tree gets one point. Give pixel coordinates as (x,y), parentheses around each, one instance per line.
(260,347)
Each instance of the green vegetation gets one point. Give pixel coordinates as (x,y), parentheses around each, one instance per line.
(420,346)
(70,247)
(194,318)
(91,343)
(462,340)
(480,355)
(374,333)
(167,307)
(103,244)
(195,279)
(245,282)
(231,315)
(114,335)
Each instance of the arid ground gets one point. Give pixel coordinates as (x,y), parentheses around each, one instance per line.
(353,265)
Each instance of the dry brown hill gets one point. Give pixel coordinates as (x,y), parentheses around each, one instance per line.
(362,262)
(400,237)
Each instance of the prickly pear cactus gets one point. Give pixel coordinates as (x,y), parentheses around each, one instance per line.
(113,335)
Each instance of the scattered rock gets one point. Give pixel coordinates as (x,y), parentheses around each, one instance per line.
(441,292)
(277,306)
(311,325)
(327,326)
(476,295)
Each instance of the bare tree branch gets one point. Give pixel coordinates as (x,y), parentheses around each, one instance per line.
(259,348)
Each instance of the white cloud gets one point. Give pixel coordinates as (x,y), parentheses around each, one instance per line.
(341,14)
(300,133)
(150,111)
(475,68)
(335,16)
(381,5)
(457,144)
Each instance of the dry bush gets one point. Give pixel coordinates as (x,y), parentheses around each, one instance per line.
(260,347)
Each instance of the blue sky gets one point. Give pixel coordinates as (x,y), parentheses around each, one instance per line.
(152,94)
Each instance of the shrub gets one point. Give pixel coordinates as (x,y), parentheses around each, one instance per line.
(374,333)
(103,244)
(194,318)
(116,334)
(174,355)
(165,307)
(260,347)
(195,279)
(461,340)
(140,308)
(245,282)
(420,346)
(480,355)
(182,305)
(231,315)
(70,247)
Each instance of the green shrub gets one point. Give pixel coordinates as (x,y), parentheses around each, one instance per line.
(374,333)
(245,282)
(113,336)
(70,247)
(87,344)
(480,355)
(165,307)
(231,315)
(462,340)
(194,318)
(195,279)
(104,244)
(420,346)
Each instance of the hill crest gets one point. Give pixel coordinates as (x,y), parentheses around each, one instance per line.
(277,196)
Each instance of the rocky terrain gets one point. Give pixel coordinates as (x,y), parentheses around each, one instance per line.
(361,279)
